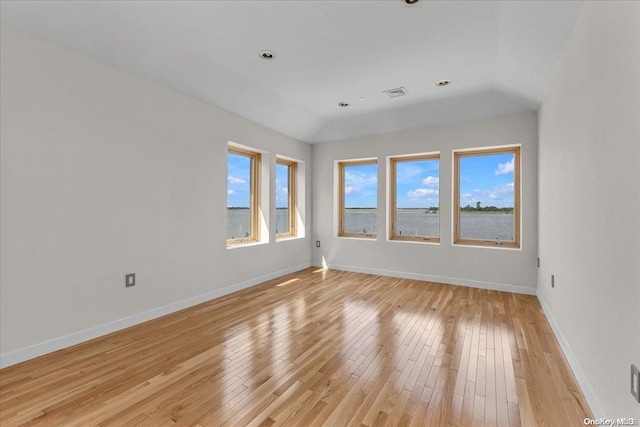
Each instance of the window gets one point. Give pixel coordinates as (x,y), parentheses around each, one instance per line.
(415,198)
(285,198)
(487,197)
(242,196)
(358,198)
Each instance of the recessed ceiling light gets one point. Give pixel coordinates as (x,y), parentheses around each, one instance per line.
(363,98)
(343,104)
(443,82)
(267,54)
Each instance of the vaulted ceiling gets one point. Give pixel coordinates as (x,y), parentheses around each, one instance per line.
(500,56)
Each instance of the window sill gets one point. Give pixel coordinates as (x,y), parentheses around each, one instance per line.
(477,246)
(416,241)
(287,238)
(244,244)
(372,238)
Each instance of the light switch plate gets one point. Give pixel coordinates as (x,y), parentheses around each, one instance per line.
(635,383)
(130,280)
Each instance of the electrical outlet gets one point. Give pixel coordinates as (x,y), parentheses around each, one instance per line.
(553,281)
(635,383)
(130,280)
(317,243)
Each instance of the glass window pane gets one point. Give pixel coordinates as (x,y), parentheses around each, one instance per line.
(238,196)
(417,198)
(361,199)
(282,199)
(487,199)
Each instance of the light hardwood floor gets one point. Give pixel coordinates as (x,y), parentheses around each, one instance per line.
(311,348)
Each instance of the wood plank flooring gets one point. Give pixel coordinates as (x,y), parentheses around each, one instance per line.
(315,347)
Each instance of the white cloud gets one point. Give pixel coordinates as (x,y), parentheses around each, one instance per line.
(234,180)
(356,182)
(408,173)
(504,168)
(431,181)
(282,194)
(501,196)
(421,192)
(230,191)
(360,178)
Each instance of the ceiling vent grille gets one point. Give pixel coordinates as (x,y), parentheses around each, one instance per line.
(394,93)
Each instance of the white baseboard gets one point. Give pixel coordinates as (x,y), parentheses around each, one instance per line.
(23,354)
(439,279)
(587,391)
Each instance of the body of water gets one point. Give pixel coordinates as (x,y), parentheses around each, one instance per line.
(409,222)
(486,226)
(239,221)
(417,222)
(361,221)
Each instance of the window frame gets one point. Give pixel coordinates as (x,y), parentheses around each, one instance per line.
(341,197)
(457,155)
(254,187)
(393,197)
(292,188)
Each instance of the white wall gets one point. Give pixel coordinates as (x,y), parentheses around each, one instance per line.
(484,267)
(590,201)
(104,174)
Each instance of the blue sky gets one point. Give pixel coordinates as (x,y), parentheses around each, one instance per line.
(418,183)
(282,186)
(487,179)
(238,180)
(360,186)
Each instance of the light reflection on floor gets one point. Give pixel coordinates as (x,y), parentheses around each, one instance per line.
(348,343)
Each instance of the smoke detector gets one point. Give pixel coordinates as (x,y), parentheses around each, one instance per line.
(397,92)
(443,82)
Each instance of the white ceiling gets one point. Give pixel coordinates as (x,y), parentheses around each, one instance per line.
(500,54)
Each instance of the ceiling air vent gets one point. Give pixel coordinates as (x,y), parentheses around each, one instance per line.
(394,93)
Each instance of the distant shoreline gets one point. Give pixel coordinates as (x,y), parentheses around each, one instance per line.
(410,210)
(506,211)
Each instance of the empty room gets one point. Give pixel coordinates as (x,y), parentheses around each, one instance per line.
(323,212)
